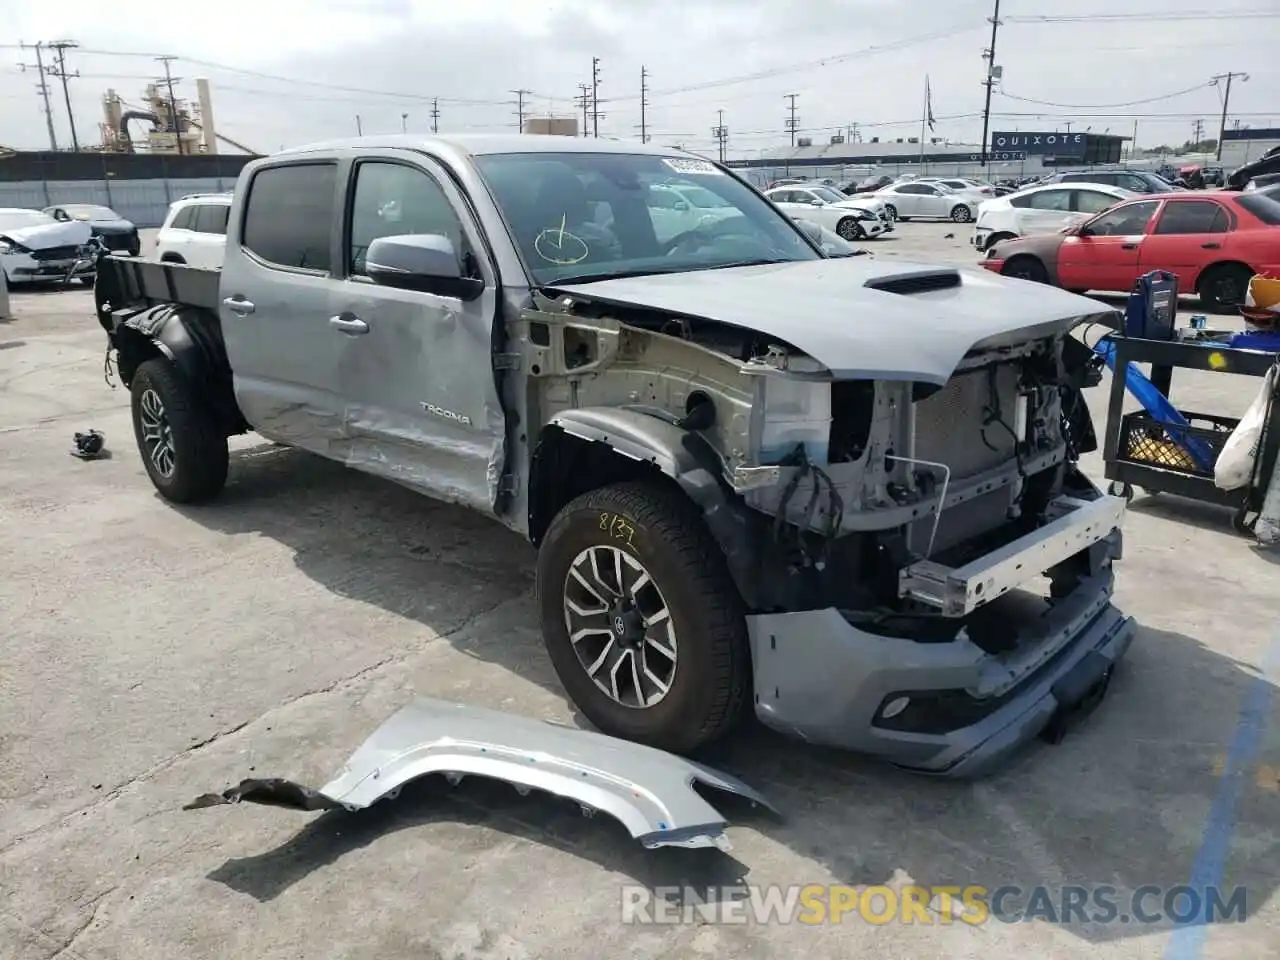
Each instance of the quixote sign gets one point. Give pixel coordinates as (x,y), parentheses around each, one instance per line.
(1062,144)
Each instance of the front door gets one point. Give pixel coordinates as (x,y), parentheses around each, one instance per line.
(417,372)
(1188,236)
(275,291)
(1105,254)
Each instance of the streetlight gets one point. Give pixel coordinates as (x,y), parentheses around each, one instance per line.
(404,123)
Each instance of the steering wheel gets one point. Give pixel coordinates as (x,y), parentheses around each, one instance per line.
(698,237)
(707,233)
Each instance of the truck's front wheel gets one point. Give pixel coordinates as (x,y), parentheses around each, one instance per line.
(643,624)
(184,452)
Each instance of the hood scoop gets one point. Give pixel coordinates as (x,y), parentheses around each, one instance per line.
(920,281)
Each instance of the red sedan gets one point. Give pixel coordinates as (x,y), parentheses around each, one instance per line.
(1213,243)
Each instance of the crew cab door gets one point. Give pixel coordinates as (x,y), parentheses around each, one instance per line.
(1105,254)
(416,373)
(275,291)
(1188,236)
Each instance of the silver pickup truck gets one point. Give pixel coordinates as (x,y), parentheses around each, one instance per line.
(838,491)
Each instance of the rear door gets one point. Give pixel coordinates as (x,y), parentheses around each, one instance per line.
(275,290)
(207,242)
(416,372)
(1105,256)
(1188,236)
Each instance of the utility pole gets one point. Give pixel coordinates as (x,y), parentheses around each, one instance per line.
(60,48)
(584,101)
(173,102)
(435,114)
(792,122)
(989,55)
(404,123)
(1197,131)
(721,134)
(359,127)
(1226,101)
(595,96)
(644,103)
(43,89)
(520,95)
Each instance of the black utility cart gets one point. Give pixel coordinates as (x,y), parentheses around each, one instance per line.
(1150,448)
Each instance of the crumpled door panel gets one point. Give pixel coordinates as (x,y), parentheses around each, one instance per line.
(649,791)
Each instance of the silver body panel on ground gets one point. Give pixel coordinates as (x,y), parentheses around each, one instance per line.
(650,792)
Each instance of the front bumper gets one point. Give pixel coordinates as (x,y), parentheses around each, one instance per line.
(822,679)
(23,268)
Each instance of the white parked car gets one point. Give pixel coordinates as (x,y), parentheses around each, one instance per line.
(928,201)
(962,185)
(195,230)
(677,208)
(850,218)
(35,247)
(1044,209)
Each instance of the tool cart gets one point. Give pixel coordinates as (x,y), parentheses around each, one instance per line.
(1164,449)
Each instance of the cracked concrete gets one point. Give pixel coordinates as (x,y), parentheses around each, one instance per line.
(152,654)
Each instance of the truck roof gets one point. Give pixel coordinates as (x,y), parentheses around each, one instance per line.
(479,144)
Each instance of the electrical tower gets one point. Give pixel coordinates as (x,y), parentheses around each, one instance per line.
(1226,102)
(173,101)
(584,101)
(43,89)
(792,122)
(720,133)
(993,74)
(1197,131)
(595,96)
(644,104)
(60,48)
(435,114)
(520,95)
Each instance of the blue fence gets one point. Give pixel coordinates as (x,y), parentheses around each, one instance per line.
(145,202)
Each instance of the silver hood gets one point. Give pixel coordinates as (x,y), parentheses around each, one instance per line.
(43,236)
(859,317)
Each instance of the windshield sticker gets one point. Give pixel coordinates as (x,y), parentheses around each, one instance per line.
(558,246)
(691,165)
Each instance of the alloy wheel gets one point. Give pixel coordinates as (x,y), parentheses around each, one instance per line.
(157,435)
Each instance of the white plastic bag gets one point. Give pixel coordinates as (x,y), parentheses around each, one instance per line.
(1234,466)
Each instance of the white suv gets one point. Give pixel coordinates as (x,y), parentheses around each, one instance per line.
(195,230)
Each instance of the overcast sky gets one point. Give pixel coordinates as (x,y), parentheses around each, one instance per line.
(286,72)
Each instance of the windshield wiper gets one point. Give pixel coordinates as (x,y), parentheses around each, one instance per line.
(621,275)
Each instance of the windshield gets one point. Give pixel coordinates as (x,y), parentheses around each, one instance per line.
(16,219)
(590,216)
(829,195)
(89,211)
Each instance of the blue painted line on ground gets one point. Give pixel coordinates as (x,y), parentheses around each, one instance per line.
(1187,942)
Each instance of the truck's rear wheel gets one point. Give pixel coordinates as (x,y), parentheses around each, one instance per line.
(642,622)
(183,450)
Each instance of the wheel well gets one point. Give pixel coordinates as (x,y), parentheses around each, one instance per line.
(133,349)
(1027,257)
(1228,264)
(172,258)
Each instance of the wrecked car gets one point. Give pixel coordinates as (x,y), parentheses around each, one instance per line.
(838,492)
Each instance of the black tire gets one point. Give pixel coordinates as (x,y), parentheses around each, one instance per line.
(1223,287)
(961,214)
(197,447)
(1026,268)
(849,229)
(891,210)
(662,531)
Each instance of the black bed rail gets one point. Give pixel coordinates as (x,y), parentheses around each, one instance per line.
(136,283)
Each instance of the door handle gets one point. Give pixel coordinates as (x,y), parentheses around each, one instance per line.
(1210,246)
(1128,246)
(349,324)
(239,305)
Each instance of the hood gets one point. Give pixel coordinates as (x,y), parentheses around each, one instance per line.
(71,233)
(860,203)
(847,315)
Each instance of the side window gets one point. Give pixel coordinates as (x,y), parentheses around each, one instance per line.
(1020,201)
(782,196)
(1192,216)
(212,218)
(916,188)
(1093,201)
(392,199)
(289,217)
(1129,220)
(1051,200)
(1129,182)
(184,219)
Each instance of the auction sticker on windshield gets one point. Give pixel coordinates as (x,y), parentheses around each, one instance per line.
(690,165)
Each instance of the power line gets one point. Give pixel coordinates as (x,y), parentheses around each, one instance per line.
(43,89)
(1154,17)
(1128,103)
(60,48)
(989,55)
(520,95)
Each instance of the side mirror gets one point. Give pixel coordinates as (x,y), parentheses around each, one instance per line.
(425,262)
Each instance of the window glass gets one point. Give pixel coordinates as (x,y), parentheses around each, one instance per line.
(1192,216)
(289,217)
(391,200)
(1262,205)
(916,188)
(184,219)
(212,218)
(1127,220)
(1050,200)
(1094,201)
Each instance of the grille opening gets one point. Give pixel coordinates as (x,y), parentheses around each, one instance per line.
(920,282)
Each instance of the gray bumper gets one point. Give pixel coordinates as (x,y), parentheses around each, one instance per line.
(823,679)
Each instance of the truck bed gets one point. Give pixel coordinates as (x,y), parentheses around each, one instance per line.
(137,282)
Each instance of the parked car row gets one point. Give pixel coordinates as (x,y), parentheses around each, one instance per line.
(57,243)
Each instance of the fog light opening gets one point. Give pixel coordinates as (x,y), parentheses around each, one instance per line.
(894,707)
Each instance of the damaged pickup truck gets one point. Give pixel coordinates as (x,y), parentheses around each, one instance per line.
(839,491)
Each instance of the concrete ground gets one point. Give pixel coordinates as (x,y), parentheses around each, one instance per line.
(151,654)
